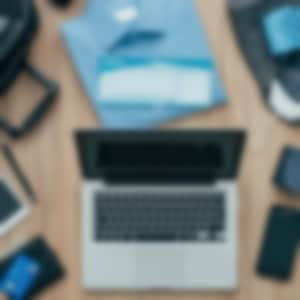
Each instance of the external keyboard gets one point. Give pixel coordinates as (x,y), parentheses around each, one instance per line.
(159,217)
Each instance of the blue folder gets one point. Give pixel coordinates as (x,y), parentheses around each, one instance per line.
(163,28)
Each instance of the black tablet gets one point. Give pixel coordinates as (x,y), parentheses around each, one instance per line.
(12,209)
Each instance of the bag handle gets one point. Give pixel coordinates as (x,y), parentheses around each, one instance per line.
(39,112)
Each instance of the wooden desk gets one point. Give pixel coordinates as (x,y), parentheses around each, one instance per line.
(49,158)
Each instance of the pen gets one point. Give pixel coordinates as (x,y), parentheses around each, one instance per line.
(18,172)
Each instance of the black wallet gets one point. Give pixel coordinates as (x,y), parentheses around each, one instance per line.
(51,268)
(19,23)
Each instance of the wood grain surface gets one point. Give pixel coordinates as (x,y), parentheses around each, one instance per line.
(48,156)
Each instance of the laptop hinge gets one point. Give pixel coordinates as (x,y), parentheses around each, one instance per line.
(161,178)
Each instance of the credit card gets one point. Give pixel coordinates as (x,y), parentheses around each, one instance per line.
(20,277)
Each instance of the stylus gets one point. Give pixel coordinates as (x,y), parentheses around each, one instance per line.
(26,185)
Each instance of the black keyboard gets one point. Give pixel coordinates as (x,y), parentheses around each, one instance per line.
(156,216)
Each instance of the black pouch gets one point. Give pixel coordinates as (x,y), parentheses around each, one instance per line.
(19,24)
(51,268)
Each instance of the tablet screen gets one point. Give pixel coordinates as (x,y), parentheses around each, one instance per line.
(9,204)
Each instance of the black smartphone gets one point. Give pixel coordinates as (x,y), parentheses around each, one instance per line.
(280,243)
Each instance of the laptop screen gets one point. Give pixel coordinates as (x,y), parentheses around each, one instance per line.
(159,155)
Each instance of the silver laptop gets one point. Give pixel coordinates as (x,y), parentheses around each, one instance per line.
(159,209)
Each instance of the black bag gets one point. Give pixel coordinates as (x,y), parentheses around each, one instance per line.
(247,20)
(19,24)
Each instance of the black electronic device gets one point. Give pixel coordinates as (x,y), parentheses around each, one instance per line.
(287,175)
(12,209)
(160,156)
(280,243)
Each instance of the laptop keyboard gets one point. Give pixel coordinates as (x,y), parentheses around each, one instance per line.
(164,217)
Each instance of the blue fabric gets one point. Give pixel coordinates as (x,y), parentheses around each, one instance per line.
(170,29)
(282,30)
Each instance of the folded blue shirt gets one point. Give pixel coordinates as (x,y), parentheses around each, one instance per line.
(145,28)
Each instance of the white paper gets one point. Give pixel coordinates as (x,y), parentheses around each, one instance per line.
(157,84)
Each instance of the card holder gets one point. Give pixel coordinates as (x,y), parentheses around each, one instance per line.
(51,270)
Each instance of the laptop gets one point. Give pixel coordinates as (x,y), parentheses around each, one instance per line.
(160,209)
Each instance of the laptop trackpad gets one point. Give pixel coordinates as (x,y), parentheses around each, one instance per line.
(160,267)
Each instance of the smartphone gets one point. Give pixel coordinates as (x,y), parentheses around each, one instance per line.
(12,209)
(280,243)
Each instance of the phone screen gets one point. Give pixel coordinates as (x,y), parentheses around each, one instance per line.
(280,244)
